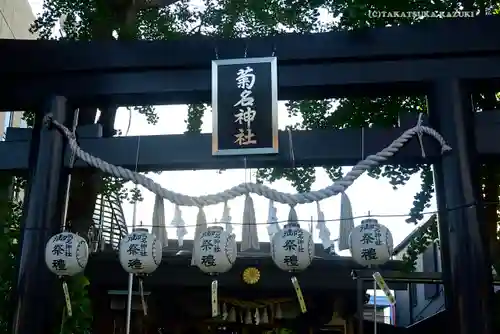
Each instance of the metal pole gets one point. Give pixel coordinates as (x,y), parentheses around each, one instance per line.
(374,307)
(360,302)
(72,160)
(129,302)
(37,306)
(466,265)
(131,276)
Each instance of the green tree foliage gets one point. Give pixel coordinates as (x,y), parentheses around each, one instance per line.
(10,217)
(140,19)
(9,238)
(10,220)
(419,244)
(81,320)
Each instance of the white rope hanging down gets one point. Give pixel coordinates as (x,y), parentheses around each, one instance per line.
(180,225)
(159,228)
(346,222)
(246,188)
(249,235)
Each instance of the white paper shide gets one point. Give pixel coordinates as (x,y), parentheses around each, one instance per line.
(292,248)
(66,254)
(140,252)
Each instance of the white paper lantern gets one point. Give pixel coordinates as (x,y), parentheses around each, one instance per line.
(140,252)
(66,254)
(215,250)
(292,248)
(371,243)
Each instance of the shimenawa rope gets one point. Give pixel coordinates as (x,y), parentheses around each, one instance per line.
(249,187)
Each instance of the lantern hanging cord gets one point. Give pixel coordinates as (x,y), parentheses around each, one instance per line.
(246,188)
(420,134)
(371,215)
(394,215)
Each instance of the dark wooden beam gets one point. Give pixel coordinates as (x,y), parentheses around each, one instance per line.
(193,151)
(423,40)
(177,271)
(401,276)
(386,61)
(311,148)
(296,82)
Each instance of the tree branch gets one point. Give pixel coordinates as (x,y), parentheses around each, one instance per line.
(144,4)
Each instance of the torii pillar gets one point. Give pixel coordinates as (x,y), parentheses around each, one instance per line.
(38,295)
(465,259)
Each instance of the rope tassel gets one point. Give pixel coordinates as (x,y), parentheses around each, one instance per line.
(292,215)
(248,317)
(264,317)
(180,225)
(257,316)
(232,315)
(249,236)
(247,188)
(278,313)
(159,229)
(346,222)
(225,314)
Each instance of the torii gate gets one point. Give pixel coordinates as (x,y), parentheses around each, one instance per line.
(447,60)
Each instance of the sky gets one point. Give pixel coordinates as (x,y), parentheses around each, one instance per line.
(366,194)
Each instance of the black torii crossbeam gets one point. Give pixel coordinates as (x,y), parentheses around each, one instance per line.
(447,60)
(310,148)
(371,62)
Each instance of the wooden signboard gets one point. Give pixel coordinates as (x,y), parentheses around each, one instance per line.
(245,106)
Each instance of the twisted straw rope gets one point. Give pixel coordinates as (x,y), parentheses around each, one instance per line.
(246,188)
